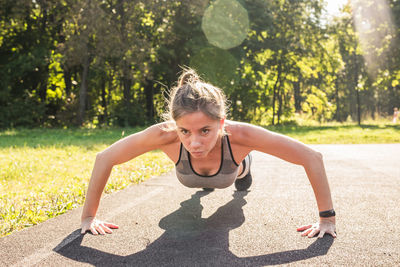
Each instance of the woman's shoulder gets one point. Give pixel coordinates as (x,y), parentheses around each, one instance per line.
(244,133)
(237,131)
(163,132)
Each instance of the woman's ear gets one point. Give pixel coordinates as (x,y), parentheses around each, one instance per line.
(222,123)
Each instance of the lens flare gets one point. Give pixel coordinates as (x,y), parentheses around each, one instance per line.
(374,25)
(216,66)
(225,23)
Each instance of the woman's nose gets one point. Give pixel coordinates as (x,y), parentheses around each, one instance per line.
(195,142)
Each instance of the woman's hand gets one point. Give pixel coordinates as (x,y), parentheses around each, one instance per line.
(96,226)
(324,226)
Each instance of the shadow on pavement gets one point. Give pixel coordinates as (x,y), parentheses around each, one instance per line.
(191,240)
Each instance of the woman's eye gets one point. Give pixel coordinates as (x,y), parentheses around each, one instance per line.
(205,131)
(184,132)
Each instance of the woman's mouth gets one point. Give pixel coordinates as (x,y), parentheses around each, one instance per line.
(196,153)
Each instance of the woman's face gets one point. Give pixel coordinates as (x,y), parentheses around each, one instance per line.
(199,133)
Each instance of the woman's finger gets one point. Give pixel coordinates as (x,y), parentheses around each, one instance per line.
(332,233)
(306,232)
(313,232)
(111,225)
(304,227)
(97,227)
(106,229)
(84,229)
(93,230)
(321,234)
(100,229)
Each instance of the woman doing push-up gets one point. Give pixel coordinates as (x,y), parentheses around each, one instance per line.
(209,152)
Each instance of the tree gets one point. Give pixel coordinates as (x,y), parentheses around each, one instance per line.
(30,31)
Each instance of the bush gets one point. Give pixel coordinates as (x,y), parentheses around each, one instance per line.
(25,111)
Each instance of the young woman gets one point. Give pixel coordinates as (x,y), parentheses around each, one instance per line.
(209,152)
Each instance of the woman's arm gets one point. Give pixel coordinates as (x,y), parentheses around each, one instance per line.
(122,151)
(288,149)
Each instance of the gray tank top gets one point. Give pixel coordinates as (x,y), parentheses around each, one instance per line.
(225,176)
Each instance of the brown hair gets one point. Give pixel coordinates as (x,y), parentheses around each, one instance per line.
(193,94)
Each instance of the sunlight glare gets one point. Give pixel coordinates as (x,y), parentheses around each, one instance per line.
(376,31)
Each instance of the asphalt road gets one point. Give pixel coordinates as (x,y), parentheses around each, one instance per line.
(162,223)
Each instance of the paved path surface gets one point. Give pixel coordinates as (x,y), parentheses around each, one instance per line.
(164,223)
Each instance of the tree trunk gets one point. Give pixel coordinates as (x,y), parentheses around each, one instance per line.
(337,115)
(44,77)
(83,90)
(127,83)
(279,104)
(297,96)
(103,117)
(273,103)
(43,72)
(358,106)
(281,94)
(275,92)
(357,89)
(149,92)
(67,80)
(110,86)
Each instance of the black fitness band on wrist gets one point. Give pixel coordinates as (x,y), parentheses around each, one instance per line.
(327,213)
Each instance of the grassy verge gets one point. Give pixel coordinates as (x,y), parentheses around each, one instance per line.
(342,133)
(44,173)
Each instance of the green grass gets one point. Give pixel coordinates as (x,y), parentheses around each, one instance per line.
(45,172)
(342,133)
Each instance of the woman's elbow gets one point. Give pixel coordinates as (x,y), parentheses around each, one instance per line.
(104,159)
(314,158)
(319,156)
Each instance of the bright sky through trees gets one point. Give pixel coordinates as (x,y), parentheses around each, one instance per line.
(334,6)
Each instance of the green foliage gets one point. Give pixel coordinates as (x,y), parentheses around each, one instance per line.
(101,63)
(218,66)
(317,106)
(22,111)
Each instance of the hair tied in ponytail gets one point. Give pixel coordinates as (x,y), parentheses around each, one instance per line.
(188,76)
